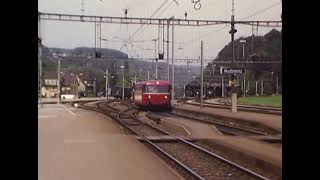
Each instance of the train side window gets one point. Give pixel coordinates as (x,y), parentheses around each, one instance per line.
(143,88)
(163,88)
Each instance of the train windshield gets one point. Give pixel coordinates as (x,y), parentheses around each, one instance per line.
(157,89)
(151,89)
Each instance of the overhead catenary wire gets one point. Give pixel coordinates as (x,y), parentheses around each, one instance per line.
(150,17)
(262,10)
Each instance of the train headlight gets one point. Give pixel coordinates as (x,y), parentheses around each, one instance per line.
(166,97)
(149,96)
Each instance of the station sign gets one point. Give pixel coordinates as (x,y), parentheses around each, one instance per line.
(232,70)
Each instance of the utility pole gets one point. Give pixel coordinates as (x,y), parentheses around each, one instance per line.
(201,91)
(107,77)
(39,60)
(168,50)
(232,32)
(168,33)
(40,73)
(59,82)
(155,55)
(172,62)
(82,7)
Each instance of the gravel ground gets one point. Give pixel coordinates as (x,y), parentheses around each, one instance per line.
(206,166)
(146,131)
(244,160)
(169,127)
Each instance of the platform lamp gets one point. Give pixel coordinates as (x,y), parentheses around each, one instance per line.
(122,67)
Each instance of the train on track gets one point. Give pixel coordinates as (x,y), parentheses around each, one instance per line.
(153,94)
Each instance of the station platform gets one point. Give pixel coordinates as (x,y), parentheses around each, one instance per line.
(84,99)
(78,144)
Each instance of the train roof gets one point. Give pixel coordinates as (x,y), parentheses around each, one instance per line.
(155,82)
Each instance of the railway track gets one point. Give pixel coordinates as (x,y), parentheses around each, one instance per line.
(246,108)
(192,161)
(225,127)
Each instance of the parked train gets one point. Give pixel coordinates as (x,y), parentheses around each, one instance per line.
(209,90)
(153,94)
(116,92)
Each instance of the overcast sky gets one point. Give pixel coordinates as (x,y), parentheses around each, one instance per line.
(75,34)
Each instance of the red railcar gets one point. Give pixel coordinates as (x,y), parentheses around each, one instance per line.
(153,94)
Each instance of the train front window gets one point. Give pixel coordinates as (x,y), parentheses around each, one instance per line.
(152,89)
(157,89)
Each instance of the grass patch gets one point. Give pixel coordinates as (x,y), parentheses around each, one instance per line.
(274,101)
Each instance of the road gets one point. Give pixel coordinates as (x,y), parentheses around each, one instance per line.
(80,144)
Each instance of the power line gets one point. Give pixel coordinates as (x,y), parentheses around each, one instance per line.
(165,9)
(150,17)
(262,10)
(159,15)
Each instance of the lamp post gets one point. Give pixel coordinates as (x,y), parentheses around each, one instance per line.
(122,67)
(106,40)
(214,87)
(107,77)
(243,41)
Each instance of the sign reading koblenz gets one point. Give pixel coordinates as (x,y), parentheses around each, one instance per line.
(232,70)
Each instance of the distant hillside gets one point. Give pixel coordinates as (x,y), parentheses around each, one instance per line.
(86,51)
(267,47)
(75,61)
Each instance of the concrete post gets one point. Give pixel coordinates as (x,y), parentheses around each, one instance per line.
(222,86)
(256,88)
(261,87)
(234,102)
(244,84)
(277,90)
(248,87)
